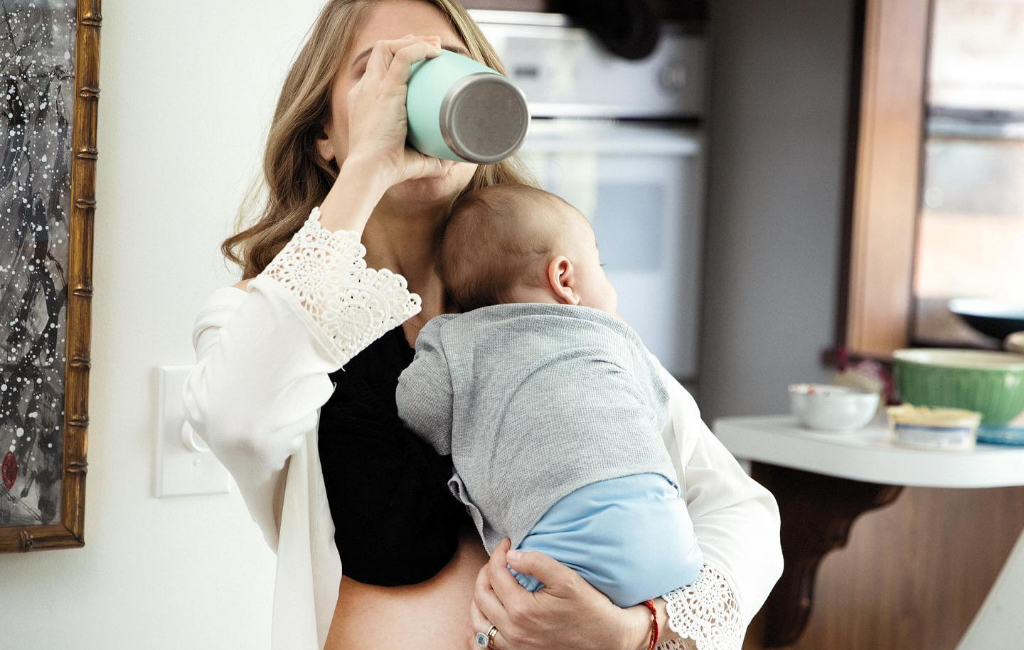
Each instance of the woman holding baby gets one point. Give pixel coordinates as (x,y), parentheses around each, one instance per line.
(298,364)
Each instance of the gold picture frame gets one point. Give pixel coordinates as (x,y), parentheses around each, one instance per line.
(31,285)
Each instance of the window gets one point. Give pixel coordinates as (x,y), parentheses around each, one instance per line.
(970,234)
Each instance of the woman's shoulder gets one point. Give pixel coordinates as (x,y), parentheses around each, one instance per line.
(219,305)
(229,296)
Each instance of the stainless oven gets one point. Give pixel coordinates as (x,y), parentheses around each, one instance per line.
(623,142)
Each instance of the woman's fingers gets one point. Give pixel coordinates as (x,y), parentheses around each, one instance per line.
(505,587)
(477,623)
(380,56)
(384,52)
(485,608)
(551,572)
(418,165)
(480,622)
(401,62)
(495,567)
(487,602)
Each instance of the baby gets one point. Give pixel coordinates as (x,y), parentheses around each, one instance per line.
(548,402)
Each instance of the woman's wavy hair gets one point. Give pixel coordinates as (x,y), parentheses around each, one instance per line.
(295,176)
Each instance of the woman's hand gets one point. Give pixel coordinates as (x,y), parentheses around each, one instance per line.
(377,119)
(567,613)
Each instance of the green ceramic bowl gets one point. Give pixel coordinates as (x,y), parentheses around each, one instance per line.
(991,383)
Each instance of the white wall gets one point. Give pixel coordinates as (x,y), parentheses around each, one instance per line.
(187,93)
(777,143)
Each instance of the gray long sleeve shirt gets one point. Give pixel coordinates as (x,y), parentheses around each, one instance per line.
(533,401)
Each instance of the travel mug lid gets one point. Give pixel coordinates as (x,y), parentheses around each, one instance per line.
(484,118)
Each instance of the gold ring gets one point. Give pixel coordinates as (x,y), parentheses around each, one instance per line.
(484,640)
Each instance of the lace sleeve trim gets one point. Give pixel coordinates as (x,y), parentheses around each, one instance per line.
(706,612)
(326,272)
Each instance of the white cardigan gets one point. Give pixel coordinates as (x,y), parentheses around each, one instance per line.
(261,375)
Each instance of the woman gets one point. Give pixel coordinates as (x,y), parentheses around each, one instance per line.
(294,387)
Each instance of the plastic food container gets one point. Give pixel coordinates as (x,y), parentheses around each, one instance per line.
(934,428)
(1001,435)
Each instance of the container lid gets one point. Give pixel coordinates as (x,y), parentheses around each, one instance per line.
(924,416)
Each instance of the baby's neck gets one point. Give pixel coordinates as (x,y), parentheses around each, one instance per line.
(534,294)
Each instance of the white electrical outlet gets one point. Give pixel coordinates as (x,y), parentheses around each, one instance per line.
(184,464)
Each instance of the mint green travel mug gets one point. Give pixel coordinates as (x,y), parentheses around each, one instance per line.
(460,109)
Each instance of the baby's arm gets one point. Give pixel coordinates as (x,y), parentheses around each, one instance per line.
(424,393)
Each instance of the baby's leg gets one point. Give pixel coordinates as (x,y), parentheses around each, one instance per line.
(630,537)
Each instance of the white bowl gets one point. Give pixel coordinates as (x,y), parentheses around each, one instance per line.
(832,408)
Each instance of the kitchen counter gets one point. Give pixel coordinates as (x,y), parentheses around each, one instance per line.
(868,454)
(823,481)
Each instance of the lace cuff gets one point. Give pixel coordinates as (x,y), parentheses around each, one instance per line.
(352,304)
(706,612)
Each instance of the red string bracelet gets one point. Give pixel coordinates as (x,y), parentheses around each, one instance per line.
(649,604)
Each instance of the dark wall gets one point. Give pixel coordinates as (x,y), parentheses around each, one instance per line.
(667,9)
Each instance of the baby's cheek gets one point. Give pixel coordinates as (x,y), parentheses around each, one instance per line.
(613,298)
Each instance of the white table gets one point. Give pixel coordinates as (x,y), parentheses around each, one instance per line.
(824,480)
(868,455)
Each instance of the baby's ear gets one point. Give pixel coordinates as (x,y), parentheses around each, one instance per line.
(562,280)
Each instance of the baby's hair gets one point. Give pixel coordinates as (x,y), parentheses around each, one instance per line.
(496,238)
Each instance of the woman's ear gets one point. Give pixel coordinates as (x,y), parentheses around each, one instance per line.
(324,147)
(562,280)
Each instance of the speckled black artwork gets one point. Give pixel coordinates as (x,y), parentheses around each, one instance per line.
(37,42)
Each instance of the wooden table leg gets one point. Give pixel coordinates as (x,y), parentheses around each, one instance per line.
(817,512)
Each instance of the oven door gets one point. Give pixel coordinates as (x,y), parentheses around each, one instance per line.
(639,184)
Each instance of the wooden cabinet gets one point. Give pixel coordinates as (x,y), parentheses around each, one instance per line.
(884,184)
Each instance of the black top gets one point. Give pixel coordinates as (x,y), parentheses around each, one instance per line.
(396,521)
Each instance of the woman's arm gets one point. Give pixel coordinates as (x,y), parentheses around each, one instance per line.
(736,521)
(263,357)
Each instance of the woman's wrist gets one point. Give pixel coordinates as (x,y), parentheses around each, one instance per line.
(665,631)
(355,193)
(637,633)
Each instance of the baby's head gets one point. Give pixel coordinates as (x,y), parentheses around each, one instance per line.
(511,243)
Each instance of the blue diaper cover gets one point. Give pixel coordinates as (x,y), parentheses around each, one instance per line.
(630,537)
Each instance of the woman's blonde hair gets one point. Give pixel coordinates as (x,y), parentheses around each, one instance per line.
(296,177)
